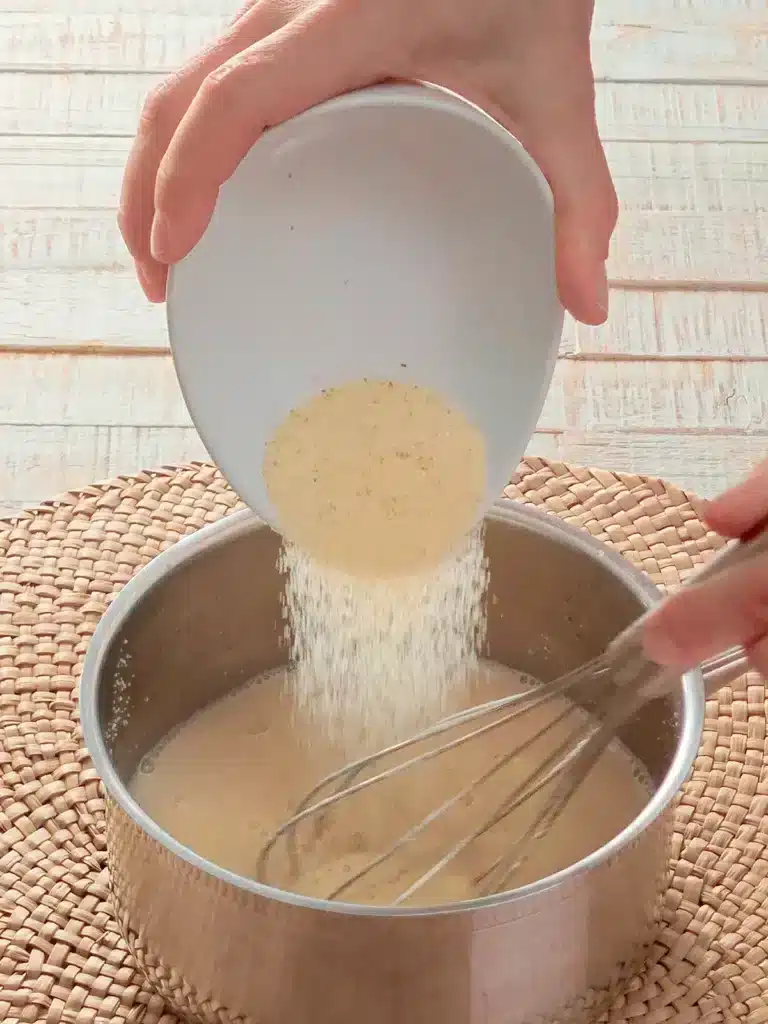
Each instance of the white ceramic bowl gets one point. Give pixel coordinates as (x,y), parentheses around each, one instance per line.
(397,232)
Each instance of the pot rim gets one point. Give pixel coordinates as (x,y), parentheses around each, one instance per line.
(239,523)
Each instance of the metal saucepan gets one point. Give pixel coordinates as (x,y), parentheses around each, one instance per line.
(205,617)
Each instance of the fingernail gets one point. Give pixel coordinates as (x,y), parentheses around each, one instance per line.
(160,237)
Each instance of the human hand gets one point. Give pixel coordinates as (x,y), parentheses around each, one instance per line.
(730,609)
(526,62)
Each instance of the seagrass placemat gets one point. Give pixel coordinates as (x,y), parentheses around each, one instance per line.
(62,960)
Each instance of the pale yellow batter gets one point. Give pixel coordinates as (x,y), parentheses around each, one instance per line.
(228,777)
(376,478)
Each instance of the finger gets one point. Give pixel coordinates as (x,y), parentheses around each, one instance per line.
(243,10)
(758,656)
(160,118)
(327,51)
(707,618)
(562,136)
(741,508)
(153,278)
(583,228)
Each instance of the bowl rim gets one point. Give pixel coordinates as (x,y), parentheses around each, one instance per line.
(243,522)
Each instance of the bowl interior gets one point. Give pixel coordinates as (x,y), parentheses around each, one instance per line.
(215,622)
(397,232)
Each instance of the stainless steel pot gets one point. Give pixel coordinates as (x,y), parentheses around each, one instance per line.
(205,617)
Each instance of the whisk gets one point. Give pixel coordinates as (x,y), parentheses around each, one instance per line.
(626,680)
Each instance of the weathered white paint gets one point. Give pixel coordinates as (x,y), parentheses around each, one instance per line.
(680,13)
(40,461)
(702,463)
(678,177)
(704,112)
(159,42)
(703,177)
(47,313)
(683,12)
(701,325)
(104,309)
(103,104)
(676,384)
(37,463)
(586,395)
(69,308)
(597,395)
(647,248)
(662,53)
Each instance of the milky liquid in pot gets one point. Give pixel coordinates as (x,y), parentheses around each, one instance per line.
(228,777)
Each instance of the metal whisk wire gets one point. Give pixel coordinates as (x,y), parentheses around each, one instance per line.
(343,778)
(633,681)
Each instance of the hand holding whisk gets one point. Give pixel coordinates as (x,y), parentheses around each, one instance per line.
(622,679)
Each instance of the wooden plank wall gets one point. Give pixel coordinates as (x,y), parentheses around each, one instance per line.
(676,384)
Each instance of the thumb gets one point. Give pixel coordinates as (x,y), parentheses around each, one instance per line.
(709,617)
(328,50)
(743,507)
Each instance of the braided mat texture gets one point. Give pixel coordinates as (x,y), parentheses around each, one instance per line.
(62,960)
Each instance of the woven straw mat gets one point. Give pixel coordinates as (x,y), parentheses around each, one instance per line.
(61,956)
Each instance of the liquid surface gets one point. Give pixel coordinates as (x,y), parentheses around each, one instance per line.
(224,781)
(376,478)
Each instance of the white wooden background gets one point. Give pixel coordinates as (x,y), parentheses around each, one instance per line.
(675,385)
